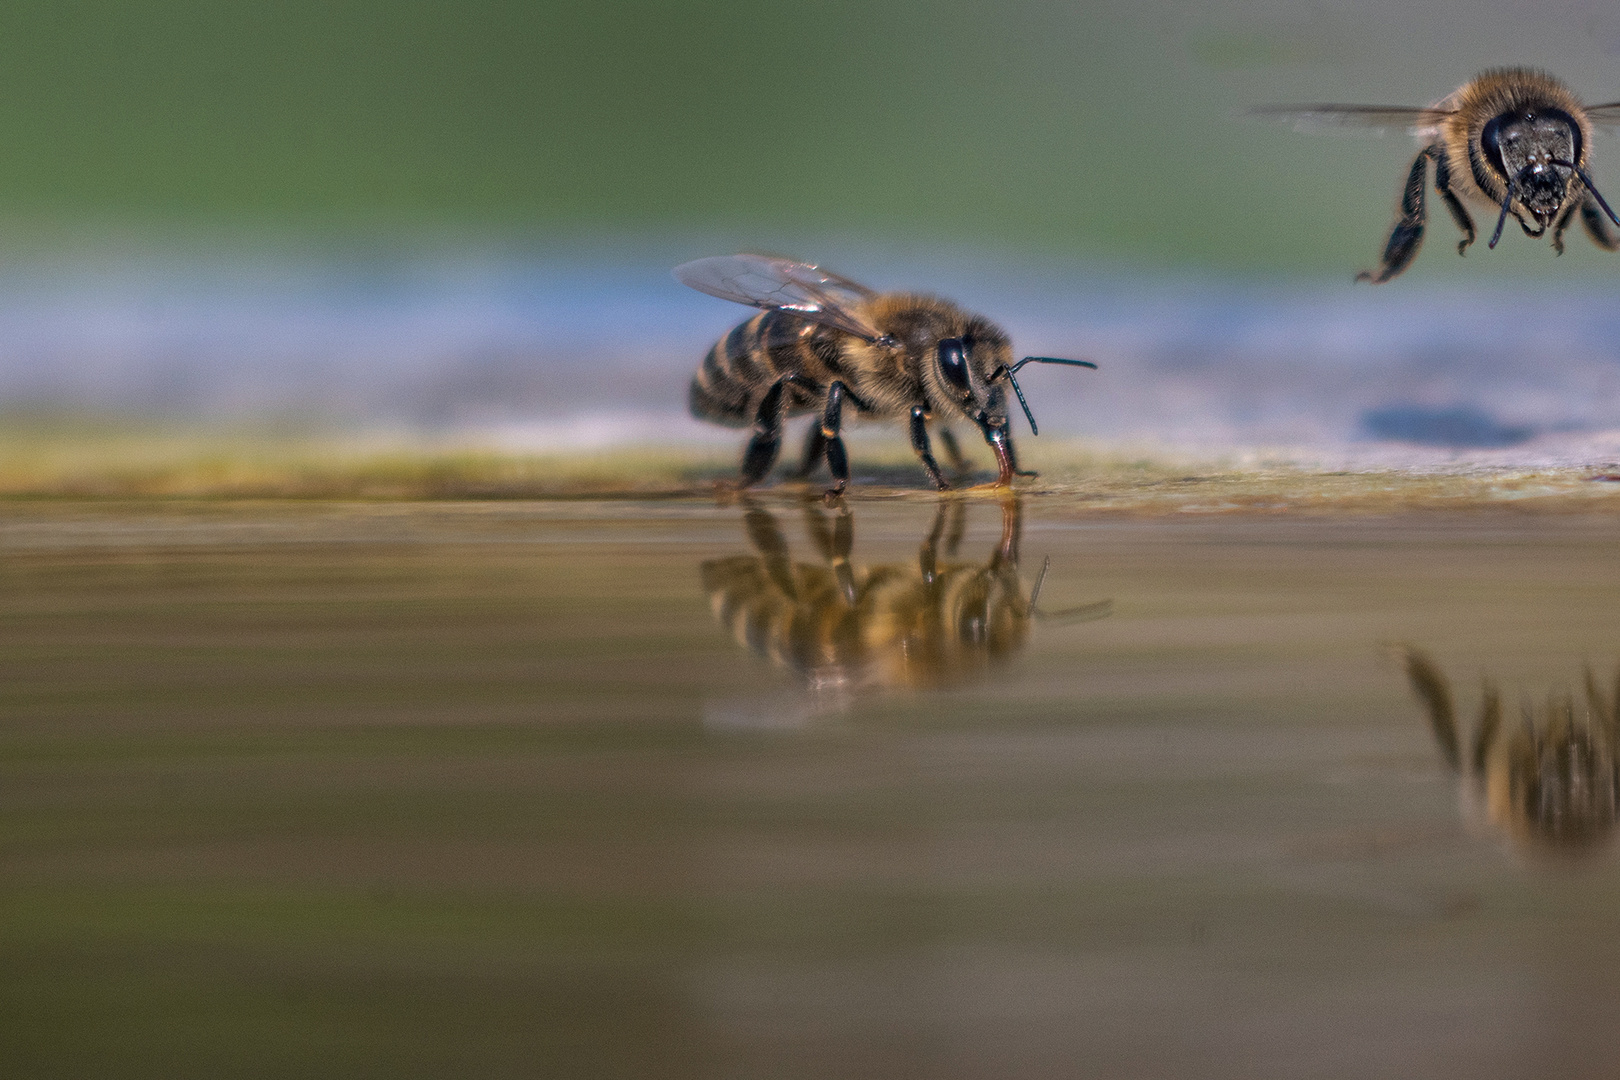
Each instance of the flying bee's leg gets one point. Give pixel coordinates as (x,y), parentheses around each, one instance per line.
(919,443)
(767,440)
(1442,185)
(1559,225)
(953,449)
(1407,237)
(1596,227)
(831,419)
(815,448)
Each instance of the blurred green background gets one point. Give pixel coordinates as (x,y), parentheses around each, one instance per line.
(1084,130)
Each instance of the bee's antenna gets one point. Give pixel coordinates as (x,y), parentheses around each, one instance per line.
(1010,371)
(1500,221)
(1587,180)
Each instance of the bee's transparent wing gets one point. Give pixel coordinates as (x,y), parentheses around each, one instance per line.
(1342,118)
(1605,116)
(765,281)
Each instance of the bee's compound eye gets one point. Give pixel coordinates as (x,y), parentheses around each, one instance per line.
(953,363)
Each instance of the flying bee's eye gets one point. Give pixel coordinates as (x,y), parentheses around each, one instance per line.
(953,362)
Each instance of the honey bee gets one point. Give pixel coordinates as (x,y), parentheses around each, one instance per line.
(824,340)
(838,626)
(1513,139)
(1550,784)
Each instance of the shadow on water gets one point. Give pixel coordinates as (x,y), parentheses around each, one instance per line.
(1549,785)
(843,628)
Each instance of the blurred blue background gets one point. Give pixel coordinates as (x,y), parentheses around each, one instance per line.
(437,217)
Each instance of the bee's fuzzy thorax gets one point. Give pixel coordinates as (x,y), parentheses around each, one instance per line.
(896,378)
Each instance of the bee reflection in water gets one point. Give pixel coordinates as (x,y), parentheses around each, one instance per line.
(1550,784)
(839,626)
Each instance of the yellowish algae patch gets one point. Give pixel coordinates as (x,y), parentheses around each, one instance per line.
(87,460)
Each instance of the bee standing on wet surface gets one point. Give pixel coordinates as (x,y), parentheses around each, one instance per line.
(1550,783)
(825,341)
(1514,140)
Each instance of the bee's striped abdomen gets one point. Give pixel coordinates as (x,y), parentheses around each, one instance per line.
(745,363)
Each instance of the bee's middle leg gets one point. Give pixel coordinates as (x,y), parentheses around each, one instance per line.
(832,419)
(1407,236)
(919,443)
(953,450)
(1459,214)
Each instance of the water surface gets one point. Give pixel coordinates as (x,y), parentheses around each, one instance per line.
(686,789)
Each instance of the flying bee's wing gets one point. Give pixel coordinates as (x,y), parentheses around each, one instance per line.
(1605,116)
(1340,118)
(764,281)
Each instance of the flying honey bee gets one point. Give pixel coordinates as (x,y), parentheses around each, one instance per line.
(824,340)
(1513,139)
(838,626)
(1550,784)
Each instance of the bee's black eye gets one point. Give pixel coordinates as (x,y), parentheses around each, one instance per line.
(953,362)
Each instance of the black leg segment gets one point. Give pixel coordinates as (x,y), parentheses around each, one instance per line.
(831,419)
(919,443)
(953,449)
(767,440)
(1596,227)
(1407,236)
(815,448)
(1565,216)
(1442,186)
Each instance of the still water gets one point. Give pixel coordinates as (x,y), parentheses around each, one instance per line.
(770,789)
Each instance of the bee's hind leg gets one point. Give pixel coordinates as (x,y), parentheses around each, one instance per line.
(1407,236)
(919,443)
(1596,227)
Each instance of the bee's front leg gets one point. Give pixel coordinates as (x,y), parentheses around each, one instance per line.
(1564,218)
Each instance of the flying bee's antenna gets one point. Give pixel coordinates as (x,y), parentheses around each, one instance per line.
(1010,372)
(1507,202)
(1587,180)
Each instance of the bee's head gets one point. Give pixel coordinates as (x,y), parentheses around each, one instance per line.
(1536,151)
(968,367)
